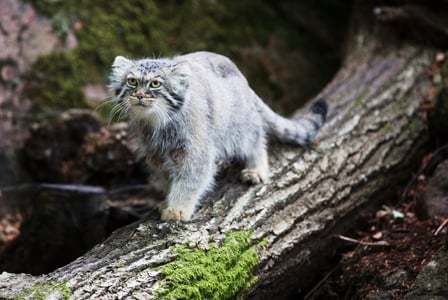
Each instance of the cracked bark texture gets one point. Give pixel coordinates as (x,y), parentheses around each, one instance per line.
(366,147)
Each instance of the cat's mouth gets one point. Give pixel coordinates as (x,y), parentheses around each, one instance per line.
(143,102)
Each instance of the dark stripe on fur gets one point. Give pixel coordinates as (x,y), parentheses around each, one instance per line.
(320,107)
(175,101)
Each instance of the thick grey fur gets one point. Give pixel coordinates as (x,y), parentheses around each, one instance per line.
(203,111)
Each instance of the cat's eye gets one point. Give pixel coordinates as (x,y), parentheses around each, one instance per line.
(155,84)
(132,81)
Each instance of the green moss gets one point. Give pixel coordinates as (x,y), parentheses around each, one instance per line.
(387,127)
(136,28)
(221,272)
(413,126)
(56,81)
(42,291)
(142,28)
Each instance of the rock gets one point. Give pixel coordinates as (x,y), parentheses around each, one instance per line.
(95,93)
(391,284)
(432,282)
(434,200)
(396,279)
(380,296)
(76,148)
(24,37)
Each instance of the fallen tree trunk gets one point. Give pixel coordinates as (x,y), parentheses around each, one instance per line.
(281,231)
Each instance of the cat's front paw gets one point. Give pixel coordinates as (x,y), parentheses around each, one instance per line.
(176,214)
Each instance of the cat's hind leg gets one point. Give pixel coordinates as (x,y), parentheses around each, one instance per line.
(257,166)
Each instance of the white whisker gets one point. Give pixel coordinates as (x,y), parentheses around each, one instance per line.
(124,110)
(105,102)
(118,108)
(115,109)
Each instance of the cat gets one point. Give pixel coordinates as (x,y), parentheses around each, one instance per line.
(190,111)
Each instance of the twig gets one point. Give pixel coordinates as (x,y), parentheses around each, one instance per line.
(441,227)
(378,243)
(320,283)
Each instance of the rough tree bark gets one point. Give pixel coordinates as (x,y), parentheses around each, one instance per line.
(372,133)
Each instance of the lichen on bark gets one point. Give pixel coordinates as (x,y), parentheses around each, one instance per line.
(46,291)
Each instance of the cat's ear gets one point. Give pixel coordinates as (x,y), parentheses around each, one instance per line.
(121,65)
(121,61)
(181,71)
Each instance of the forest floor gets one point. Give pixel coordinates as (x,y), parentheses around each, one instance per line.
(387,249)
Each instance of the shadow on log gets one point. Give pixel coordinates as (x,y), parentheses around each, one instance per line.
(281,232)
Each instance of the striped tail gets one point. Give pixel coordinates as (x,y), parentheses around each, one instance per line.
(296,131)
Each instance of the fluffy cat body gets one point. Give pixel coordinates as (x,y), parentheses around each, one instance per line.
(191,111)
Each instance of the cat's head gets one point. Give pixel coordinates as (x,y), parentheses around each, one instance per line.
(149,89)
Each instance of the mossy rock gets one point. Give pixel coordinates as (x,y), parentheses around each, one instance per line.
(284,61)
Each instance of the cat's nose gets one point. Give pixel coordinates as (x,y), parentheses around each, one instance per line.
(139,96)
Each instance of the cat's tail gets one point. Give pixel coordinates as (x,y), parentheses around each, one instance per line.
(296,131)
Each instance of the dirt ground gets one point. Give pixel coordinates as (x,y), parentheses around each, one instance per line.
(386,251)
